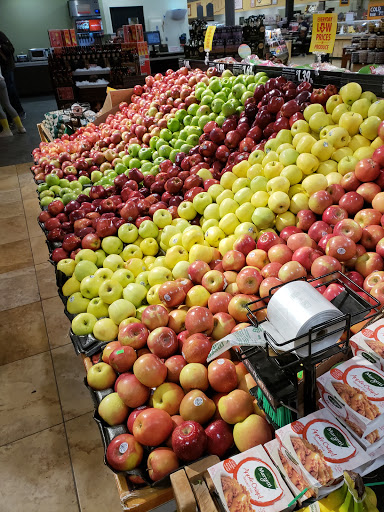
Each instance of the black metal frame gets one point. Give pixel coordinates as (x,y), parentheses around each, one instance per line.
(276,374)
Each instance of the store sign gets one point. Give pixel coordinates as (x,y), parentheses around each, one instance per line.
(343,3)
(209,38)
(375,11)
(323,33)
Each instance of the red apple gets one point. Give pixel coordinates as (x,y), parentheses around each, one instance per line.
(341,247)
(122,359)
(349,228)
(196,348)
(124,453)
(154,316)
(199,320)
(135,335)
(189,441)
(152,427)
(219,437)
(334,214)
(352,202)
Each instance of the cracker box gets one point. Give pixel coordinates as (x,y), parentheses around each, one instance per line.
(358,385)
(370,442)
(250,482)
(369,343)
(55,38)
(292,475)
(321,449)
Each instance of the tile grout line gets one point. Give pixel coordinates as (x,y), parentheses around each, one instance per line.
(53,368)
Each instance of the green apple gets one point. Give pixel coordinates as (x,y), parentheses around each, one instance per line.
(256,157)
(110,291)
(347,164)
(148,229)
(135,293)
(97,307)
(263,218)
(377,109)
(201,201)
(77,303)
(369,127)
(121,309)
(112,245)
(128,233)
(83,324)
(86,255)
(123,276)
(288,157)
(83,269)
(89,286)
(67,266)
(96,176)
(244,212)
(259,183)
(46,200)
(64,183)
(84,180)
(105,329)
(217,105)
(192,109)
(243,196)
(284,137)
(162,218)
(52,179)
(113,262)
(100,257)
(350,92)
(229,108)
(71,285)
(133,149)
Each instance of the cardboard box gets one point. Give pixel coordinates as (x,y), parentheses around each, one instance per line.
(252,476)
(133,33)
(319,448)
(66,37)
(292,476)
(73,37)
(111,103)
(357,389)
(55,38)
(142,51)
(369,343)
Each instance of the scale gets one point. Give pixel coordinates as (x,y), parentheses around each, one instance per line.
(275,371)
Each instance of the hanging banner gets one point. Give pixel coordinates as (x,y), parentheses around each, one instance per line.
(323,33)
(209,38)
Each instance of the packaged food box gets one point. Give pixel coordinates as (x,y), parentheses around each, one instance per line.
(357,387)
(292,474)
(73,36)
(249,482)
(371,442)
(369,343)
(321,449)
(66,37)
(55,38)
(133,33)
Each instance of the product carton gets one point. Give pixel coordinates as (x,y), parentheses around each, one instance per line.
(66,37)
(133,33)
(292,475)
(357,388)
(73,37)
(55,38)
(369,343)
(249,481)
(320,449)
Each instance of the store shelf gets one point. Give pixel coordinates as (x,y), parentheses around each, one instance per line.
(91,71)
(91,86)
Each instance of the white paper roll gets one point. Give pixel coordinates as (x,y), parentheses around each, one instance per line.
(294,309)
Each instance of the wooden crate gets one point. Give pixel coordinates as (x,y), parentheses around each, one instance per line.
(44,136)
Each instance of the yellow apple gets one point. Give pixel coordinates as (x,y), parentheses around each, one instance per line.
(209,223)
(292,173)
(333,178)
(226,244)
(358,141)
(305,143)
(228,179)
(338,111)
(228,206)
(299,202)
(283,147)
(346,164)
(285,219)
(159,275)
(229,223)
(256,157)
(259,183)
(135,265)
(377,143)
(273,169)
(311,110)
(350,92)
(314,183)
(279,202)
(149,247)
(191,237)
(369,127)
(197,296)
(246,228)
(361,107)
(295,189)
(278,184)
(322,150)
(245,211)
(215,190)
(153,295)
(213,236)
(240,183)
(340,153)
(327,167)
(333,102)
(318,120)
(226,194)
(307,163)
(253,431)
(174,255)
(351,121)
(175,240)
(201,252)
(377,109)
(240,170)
(255,170)
(272,156)
(180,270)
(243,196)
(260,198)
(338,137)
(362,153)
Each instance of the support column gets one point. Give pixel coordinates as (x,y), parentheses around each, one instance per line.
(289,9)
(230,12)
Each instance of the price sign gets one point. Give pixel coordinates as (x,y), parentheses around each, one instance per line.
(219,66)
(343,3)
(375,11)
(323,33)
(304,75)
(209,38)
(187,64)
(248,69)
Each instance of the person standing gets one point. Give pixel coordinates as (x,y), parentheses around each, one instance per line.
(7,64)
(6,105)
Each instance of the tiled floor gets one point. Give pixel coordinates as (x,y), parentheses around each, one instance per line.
(51,456)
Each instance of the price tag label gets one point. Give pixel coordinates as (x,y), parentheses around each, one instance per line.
(220,66)
(248,69)
(187,64)
(237,69)
(304,75)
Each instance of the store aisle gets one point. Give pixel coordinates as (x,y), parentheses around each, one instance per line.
(51,456)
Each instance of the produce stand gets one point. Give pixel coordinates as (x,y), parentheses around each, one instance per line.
(190,485)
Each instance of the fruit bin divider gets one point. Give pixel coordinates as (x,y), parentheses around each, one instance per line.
(271,371)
